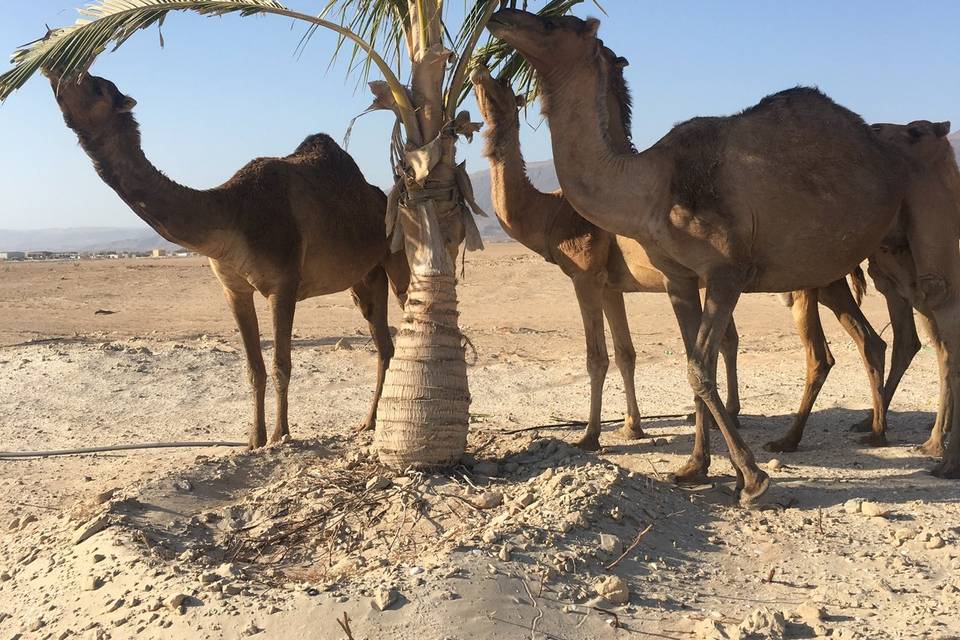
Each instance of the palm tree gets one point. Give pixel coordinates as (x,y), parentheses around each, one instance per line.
(423,416)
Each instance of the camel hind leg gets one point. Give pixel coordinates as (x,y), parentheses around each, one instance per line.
(837,297)
(626,358)
(590,298)
(934,445)
(728,349)
(283,305)
(244,312)
(806,318)
(370,296)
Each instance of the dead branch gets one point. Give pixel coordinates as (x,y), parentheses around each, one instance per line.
(633,545)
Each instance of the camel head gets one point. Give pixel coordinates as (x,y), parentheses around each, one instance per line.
(497,102)
(547,43)
(90,104)
(920,139)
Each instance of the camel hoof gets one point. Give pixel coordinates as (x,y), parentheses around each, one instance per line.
(863,426)
(947,470)
(932,448)
(691,473)
(631,433)
(875,439)
(752,492)
(783,445)
(366,425)
(588,443)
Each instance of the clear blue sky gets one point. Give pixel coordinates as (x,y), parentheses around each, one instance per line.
(225,90)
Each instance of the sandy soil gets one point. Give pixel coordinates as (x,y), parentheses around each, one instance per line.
(166,366)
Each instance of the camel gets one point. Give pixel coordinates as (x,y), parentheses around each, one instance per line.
(290,228)
(790,194)
(604,266)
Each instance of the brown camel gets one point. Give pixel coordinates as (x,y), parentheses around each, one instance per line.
(289,228)
(602,266)
(790,194)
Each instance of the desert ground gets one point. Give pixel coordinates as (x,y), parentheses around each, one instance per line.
(529,538)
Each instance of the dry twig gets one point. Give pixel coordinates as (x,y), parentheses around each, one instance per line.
(633,545)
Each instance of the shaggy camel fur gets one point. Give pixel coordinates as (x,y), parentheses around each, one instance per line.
(790,194)
(602,266)
(289,228)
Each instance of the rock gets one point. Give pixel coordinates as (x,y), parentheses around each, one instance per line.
(873,509)
(765,624)
(708,629)
(210,577)
(342,345)
(90,528)
(378,483)
(184,486)
(852,506)
(810,613)
(177,602)
(14,524)
(904,533)
(935,542)
(488,500)
(490,536)
(233,589)
(92,583)
(524,499)
(27,519)
(610,544)
(252,629)
(614,589)
(105,496)
(504,553)
(774,464)
(384,598)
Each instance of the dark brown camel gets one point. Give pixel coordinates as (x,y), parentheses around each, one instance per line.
(790,194)
(289,228)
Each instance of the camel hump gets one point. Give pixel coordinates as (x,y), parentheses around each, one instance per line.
(319,144)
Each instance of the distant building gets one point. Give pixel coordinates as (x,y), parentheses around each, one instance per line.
(39,255)
(12,255)
(159,253)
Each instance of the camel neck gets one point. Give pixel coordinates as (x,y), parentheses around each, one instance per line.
(602,176)
(523,211)
(179,214)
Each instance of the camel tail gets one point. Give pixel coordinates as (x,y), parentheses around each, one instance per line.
(858,282)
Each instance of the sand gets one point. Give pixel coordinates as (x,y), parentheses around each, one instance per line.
(167,366)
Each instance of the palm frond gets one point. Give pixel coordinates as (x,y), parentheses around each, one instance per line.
(74,48)
(498,55)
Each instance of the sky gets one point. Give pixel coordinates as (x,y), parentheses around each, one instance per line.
(225,90)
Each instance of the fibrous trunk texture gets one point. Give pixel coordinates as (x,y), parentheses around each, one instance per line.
(423,417)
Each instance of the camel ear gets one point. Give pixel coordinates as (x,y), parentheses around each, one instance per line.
(127,105)
(622,62)
(590,27)
(941,128)
(521,101)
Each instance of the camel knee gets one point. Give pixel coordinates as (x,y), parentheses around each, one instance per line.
(700,380)
(281,373)
(626,358)
(597,365)
(257,375)
(876,348)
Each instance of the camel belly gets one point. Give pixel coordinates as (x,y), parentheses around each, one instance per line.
(629,268)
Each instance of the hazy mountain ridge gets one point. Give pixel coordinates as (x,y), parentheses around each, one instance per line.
(542,174)
(83,239)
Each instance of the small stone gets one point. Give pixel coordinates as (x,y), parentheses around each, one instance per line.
(210,577)
(764,623)
(490,536)
(810,613)
(614,589)
(488,500)
(232,589)
(504,553)
(610,544)
(852,506)
(524,499)
(342,345)
(252,629)
(904,533)
(177,601)
(93,583)
(99,557)
(90,528)
(378,483)
(184,486)
(14,524)
(873,510)
(774,464)
(105,496)
(27,519)
(384,598)
(935,542)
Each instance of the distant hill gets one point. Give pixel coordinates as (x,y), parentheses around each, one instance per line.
(542,175)
(83,239)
